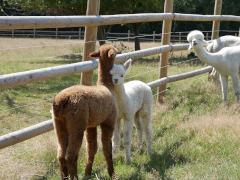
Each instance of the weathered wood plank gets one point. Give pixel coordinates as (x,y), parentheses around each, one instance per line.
(179,77)
(16,79)
(90,36)
(38,22)
(166,36)
(26,133)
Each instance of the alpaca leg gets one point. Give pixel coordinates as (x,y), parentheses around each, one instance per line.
(217,77)
(76,132)
(139,127)
(127,138)
(91,136)
(116,136)
(235,81)
(107,133)
(62,136)
(146,120)
(224,83)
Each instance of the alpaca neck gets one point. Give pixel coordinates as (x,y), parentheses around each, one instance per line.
(206,57)
(104,77)
(120,93)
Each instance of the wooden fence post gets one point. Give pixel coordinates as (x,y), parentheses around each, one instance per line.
(128,35)
(56,33)
(216,24)
(166,34)
(90,34)
(207,37)
(80,33)
(153,36)
(180,37)
(34,33)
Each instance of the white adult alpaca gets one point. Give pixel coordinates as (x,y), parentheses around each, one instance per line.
(134,101)
(226,61)
(217,45)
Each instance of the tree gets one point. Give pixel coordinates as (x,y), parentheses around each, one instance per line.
(78,7)
(205,7)
(136,6)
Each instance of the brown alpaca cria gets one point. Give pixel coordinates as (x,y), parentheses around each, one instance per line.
(79,108)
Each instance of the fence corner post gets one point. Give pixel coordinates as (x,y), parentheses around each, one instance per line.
(166,34)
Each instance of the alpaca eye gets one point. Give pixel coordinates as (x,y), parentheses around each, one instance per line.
(121,75)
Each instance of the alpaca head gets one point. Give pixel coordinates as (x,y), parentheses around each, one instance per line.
(105,53)
(196,39)
(118,72)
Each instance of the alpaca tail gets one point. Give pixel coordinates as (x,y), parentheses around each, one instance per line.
(210,47)
(58,106)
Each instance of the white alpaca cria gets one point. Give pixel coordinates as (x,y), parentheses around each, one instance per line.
(217,45)
(134,101)
(226,61)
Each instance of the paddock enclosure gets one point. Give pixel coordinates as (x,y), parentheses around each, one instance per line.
(91,21)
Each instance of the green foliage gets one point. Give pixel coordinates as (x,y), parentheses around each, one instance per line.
(191,54)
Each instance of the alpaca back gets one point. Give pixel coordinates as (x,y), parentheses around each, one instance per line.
(221,42)
(138,93)
(95,102)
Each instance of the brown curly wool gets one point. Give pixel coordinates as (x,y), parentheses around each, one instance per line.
(79,108)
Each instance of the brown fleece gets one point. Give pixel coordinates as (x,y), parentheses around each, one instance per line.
(79,108)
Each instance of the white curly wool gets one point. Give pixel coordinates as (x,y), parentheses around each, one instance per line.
(217,45)
(134,107)
(226,61)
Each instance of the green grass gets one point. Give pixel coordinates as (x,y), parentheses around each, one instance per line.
(194,136)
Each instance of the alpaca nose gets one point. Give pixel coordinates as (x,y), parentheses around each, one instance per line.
(194,42)
(115,81)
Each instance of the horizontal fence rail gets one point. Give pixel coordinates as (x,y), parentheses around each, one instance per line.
(179,77)
(16,79)
(46,126)
(38,22)
(26,133)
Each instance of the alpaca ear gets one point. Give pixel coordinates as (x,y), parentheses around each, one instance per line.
(95,54)
(127,64)
(190,46)
(111,53)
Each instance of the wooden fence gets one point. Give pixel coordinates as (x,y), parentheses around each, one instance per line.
(128,36)
(17,22)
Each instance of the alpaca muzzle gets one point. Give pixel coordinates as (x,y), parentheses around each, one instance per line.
(194,42)
(115,81)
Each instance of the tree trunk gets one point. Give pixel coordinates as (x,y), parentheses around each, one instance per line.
(101,35)
(136,33)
